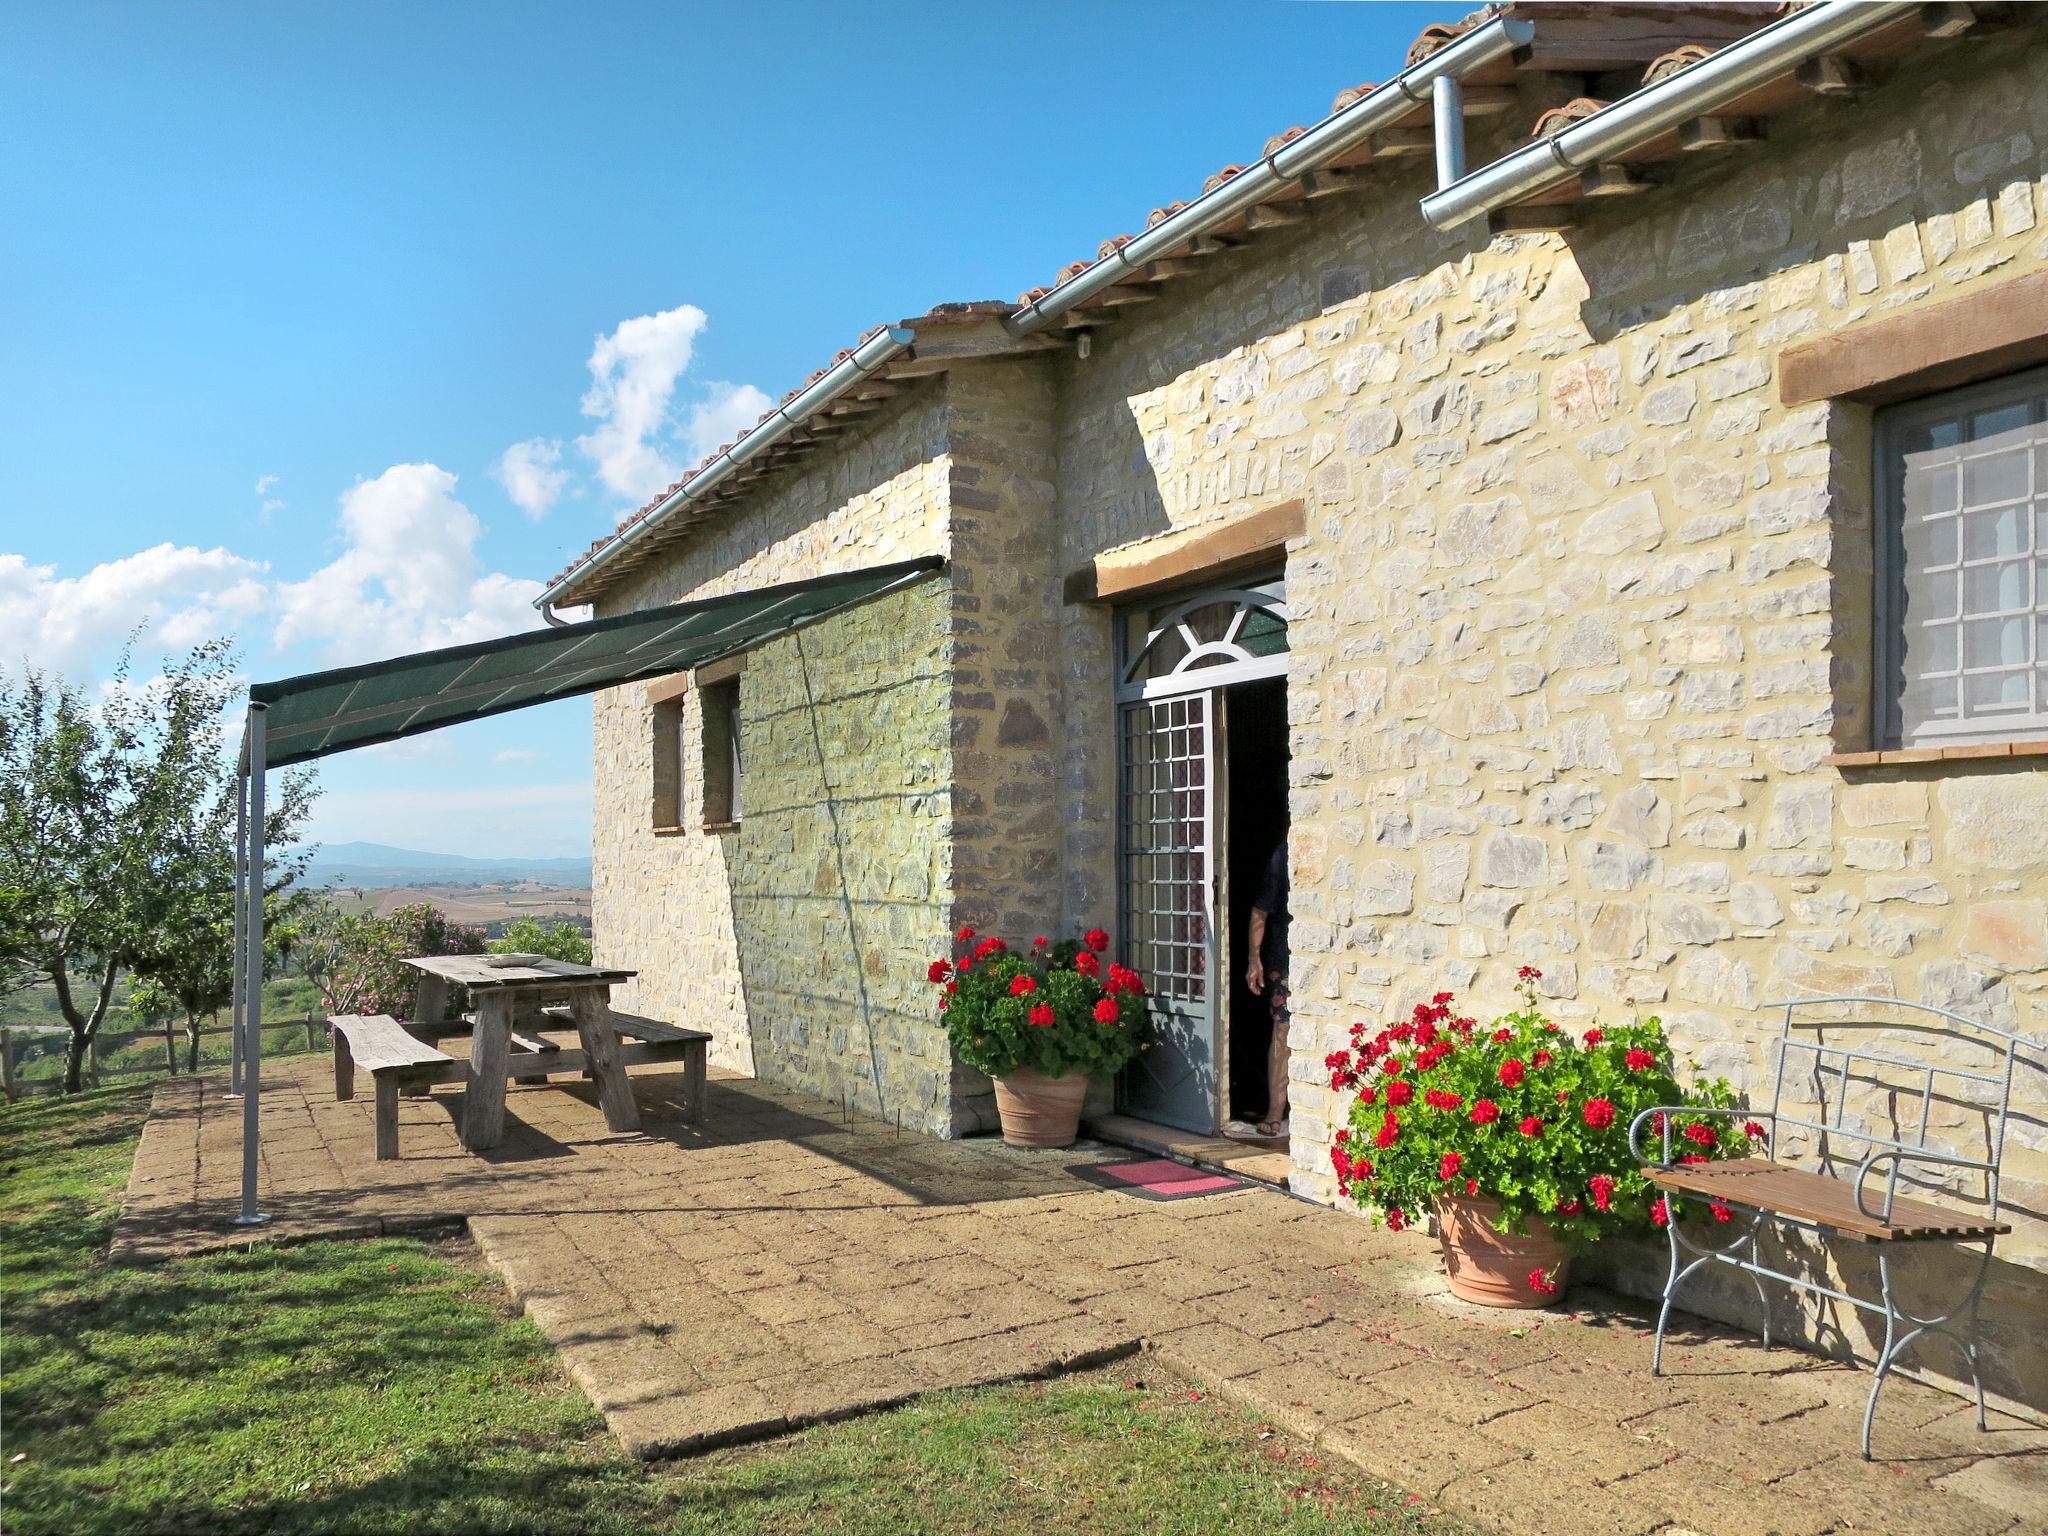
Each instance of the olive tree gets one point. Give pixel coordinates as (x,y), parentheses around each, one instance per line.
(117,819)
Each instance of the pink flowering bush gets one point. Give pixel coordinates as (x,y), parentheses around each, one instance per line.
(363,957)
(1521,1114)
(1056,1008)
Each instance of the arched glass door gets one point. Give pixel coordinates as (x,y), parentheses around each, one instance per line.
(1174,658)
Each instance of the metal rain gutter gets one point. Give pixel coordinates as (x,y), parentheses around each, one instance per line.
(867,359)
(1641,116)
(1335,134)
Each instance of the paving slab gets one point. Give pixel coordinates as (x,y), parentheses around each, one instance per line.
(781,1263)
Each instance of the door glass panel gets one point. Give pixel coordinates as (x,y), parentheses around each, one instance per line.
(1164,895)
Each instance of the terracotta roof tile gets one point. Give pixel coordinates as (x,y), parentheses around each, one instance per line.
(1352,93)
(1439,35)
(1161,215)
(1281,140)
(1221,177)
(1557,119)
(1665,65)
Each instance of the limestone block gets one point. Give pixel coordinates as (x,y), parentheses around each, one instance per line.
(2010,935)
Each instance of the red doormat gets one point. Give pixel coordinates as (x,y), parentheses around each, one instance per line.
(1155,1178)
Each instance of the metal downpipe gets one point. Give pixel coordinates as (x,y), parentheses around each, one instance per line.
(1447,98)
(1693,92)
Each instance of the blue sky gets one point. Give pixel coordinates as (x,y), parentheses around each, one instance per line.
(283,285)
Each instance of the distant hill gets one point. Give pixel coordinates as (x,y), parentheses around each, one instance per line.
(375,866)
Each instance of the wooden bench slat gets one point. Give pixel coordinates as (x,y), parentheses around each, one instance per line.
(1775,1187)
(379,1043)
(639,1027)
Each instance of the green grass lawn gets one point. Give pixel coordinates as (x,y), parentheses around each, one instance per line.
(384,1386)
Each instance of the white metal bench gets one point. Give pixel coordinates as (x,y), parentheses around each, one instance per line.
(1835,1197)
(394,1058)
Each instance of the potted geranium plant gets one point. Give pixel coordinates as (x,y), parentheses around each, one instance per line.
(1041,1023)
(1516,1137)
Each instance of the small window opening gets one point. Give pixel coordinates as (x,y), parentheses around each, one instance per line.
(722,768)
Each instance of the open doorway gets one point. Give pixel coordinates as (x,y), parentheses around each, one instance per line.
(1254,743)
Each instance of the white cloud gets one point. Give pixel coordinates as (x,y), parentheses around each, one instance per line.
(408,577)
(264,483)
(519,755)
(633,374)
(726,412)
(532,475)
(72,624)
(270,503)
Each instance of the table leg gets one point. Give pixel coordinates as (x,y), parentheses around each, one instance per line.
(429,1013)
(483,1097)
(591,1007)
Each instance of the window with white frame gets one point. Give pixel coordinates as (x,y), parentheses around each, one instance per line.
(1962,565)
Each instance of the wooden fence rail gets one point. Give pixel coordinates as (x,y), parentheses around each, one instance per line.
(15,1089)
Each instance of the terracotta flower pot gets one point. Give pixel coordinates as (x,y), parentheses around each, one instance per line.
(1040,1111)
(1493,1268)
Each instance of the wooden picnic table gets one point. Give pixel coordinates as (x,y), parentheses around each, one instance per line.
(506,994)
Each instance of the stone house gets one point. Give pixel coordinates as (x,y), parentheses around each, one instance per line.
(1630,562)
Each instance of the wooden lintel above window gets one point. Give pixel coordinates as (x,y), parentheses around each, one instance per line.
(1173,559)
(666,690)
(723,670)
(1998,329)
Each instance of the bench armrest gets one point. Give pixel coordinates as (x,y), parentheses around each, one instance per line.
(1891,1184)
(1636,1125)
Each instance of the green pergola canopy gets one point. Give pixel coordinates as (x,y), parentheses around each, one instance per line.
(325,712)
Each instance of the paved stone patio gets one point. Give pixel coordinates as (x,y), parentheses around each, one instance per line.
(782,1264)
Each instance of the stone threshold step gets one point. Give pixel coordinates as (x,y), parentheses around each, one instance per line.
(1261,1164)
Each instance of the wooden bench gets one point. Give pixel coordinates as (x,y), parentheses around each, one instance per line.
(1851,1206)
(394,1058)
(650,1041)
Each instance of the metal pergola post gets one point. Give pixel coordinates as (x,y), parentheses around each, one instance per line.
(250,960)
(241,915)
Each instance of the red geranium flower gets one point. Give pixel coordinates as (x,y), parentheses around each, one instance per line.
(1721,1212)
(1539,1282)
(1660,1213)
(1022,986)
(1039,942)
(1396,1218)
(1043,1016)
(964,935)
(1751,1129)
(1503,1036)
(939,971)
(1569,1207)
(1599,1113)
(1528,973)
(1447,1168)
(1399,1092)
(1512,1071)
(1699,1133)
(1106,1011)
(1542,1059)
(1595,1036)
(1389,1132)
(1471,1186)
(1485,1112)
(1531,1126)
(1602,1186)
(1639,1060)
(1096,940)
(1086,963)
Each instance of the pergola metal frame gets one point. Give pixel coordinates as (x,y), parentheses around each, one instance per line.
(322,713)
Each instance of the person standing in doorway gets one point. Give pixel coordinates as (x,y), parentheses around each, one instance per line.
(1267,978)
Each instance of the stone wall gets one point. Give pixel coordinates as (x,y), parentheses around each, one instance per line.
(797,938)
(1582,607)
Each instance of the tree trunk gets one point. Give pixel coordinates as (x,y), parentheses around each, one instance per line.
(84,1026)
(171,1047)
(191,1042)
